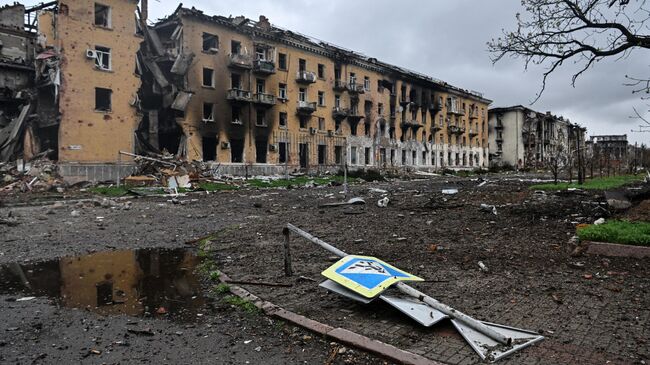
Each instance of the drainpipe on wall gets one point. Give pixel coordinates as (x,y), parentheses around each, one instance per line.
(144,11)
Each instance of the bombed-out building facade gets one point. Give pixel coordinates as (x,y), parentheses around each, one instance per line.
(254,97)
(248,96)
(523,138)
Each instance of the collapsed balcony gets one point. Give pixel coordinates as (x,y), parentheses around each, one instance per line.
(238,96)
(238,60)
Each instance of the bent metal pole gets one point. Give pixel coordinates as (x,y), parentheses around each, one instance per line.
(451,312)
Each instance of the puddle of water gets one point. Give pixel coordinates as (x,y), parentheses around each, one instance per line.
(147,282)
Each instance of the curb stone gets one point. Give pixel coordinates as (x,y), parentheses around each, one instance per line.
(342,335)
(617,250)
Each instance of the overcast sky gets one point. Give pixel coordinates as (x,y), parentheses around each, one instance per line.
(447,40)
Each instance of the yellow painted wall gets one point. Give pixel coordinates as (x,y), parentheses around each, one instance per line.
(86,135)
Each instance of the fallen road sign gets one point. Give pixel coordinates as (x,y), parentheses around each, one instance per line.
(367,276)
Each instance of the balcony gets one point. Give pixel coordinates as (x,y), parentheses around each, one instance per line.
(238,95)
(354,88)
(473,132)
(499,139)
(264,67)
(436,128)
(238,60)
(339,113)
(306,107)
(499,125)
(409,123)
(404,101)
(340,85)
(355,114)
(473,114)
(435,107)
(452,129)
(305,77)
(452,109)
(264,99)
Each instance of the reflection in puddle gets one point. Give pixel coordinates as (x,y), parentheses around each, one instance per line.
(144,282)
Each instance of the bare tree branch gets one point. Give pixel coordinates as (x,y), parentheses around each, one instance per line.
(583,31)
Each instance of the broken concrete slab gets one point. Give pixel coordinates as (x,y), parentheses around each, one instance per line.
(617,200)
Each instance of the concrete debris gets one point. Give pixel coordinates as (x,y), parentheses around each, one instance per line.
(450,191)
(599,221)
(482,266)
(617,200)
(488,208)
(383,202)
(353,201)
(377,191)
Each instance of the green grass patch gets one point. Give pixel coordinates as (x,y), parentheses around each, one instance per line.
(214,275)
(221,289)
(296,181)
(243,304)
(624,232)
(601,183)
(212,186)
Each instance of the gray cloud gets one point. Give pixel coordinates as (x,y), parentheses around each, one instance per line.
(447,40)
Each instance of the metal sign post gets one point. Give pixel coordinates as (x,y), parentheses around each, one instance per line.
(491,341)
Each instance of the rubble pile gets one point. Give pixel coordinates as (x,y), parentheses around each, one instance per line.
(37,175)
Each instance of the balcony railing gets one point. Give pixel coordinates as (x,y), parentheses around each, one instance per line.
(436,127)
(473,132)
(240,60)
(306,107)
(265,99)
(238,95)
(473,114)
(264,67)
(340,85)
(452,129)
(354,113)
(453,109)
(435,107)
(305,77)
(355,88)
(339,113)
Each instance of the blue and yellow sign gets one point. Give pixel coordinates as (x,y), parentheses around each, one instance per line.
(365,275)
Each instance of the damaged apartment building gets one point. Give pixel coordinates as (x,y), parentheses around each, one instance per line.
(25,128)
(259,99)
(243,94)
(523,138)
(78,88)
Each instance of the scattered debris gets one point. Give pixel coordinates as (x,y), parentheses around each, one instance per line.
(599,221)
(450,191)
(353,201)
(482,266)
(24,299)
(488,208)
(383,202)
(617,200)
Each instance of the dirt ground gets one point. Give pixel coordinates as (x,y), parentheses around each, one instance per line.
(590,309)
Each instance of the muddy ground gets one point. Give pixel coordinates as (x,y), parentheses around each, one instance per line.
(590,309)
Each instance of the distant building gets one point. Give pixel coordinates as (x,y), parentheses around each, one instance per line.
(609,152)
(524,138)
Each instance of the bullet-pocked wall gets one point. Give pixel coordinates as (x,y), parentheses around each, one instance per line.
(261,98)
(97,42)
